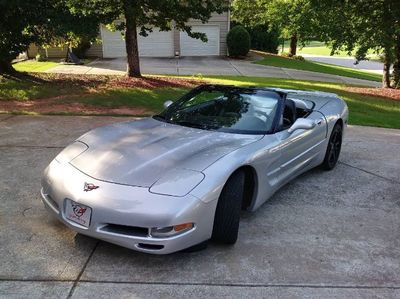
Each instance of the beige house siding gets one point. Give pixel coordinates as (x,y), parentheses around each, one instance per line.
(96,49)
(53,52)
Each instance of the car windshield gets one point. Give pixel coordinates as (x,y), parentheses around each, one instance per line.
(233,110)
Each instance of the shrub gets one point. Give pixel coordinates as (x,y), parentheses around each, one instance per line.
(295,57)
(298,57)
(264,39)
(238,41)
(286,55)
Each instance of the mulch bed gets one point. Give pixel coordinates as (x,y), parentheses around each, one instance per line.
(99,81)
(67,103)
(54,106)
(387,93)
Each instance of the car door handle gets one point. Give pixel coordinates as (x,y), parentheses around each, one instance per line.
(319,121)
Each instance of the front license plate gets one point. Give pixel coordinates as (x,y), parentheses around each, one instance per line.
(78,213)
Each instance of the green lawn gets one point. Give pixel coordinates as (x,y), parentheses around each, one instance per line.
(34,66)
(313,48)
(319,48)
(364,110)
(278,61)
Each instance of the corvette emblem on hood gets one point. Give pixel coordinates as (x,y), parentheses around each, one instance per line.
(89,187)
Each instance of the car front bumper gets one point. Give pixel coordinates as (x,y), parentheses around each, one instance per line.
(124,215)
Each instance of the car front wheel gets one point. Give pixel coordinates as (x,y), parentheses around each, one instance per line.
(227,214)
(334,147)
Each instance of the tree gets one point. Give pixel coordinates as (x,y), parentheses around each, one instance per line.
(17,29)
(142,16)
(361,26)
(41,22)
(294,18)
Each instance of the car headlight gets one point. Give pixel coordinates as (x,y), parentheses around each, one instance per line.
(170,231)
(71,152)
(177,182)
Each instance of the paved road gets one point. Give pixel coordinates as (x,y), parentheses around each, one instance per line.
(365,65)
(326,235)
(205,66)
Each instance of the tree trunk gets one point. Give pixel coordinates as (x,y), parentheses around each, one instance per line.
(293,45)
(131,41)
(396,65)
(6,67)
(386,72)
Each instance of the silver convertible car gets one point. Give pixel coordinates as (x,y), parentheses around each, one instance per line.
(180,178)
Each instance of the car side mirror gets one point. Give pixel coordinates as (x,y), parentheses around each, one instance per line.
(167,104)
(302,123)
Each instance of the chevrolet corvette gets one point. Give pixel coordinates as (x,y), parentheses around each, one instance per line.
(180,178)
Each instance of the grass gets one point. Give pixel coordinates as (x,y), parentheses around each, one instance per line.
(319,48)
(152,100)
(34,66)
(364,110)
(313,48)
(278,61)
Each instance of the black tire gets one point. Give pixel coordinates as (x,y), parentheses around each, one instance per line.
(227,214)
(334,147)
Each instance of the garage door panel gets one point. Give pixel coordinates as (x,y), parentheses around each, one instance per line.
(195,47)
(156,44)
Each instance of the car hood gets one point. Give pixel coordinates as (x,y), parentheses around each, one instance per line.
(138,153)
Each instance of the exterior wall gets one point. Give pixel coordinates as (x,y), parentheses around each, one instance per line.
(96,49)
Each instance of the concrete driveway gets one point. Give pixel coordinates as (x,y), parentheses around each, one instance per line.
(325,235)
(204,66)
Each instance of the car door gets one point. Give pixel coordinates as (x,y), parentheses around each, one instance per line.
(301,147)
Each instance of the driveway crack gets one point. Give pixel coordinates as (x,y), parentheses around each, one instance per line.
(7,118)
(71,291)
(235,68)
(371,173)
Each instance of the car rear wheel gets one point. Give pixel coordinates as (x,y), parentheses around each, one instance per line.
(227,214)
(334,147)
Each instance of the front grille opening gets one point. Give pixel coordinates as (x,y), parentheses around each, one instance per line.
(150,246)
(126,230)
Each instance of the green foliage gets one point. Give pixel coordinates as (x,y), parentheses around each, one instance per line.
(43,22)
(238,41)
(264,38)
(81,49)
(360,26)
(291,17)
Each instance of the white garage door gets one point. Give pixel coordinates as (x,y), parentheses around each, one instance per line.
(156,44)
(195,47)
